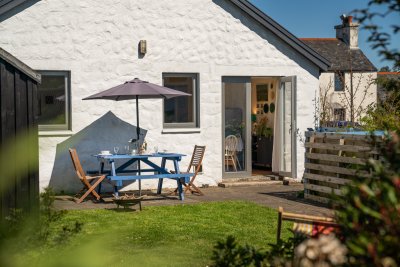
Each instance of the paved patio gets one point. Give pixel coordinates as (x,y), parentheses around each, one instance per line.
(270,195)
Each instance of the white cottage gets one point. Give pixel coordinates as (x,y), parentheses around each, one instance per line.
(243,69)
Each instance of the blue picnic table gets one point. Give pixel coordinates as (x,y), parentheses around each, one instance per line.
(125,173)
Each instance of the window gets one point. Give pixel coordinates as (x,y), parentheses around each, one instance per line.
(339,114)
(339,81)
(54,100)
(182,111)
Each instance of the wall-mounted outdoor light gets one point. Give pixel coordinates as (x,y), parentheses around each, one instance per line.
(143,47)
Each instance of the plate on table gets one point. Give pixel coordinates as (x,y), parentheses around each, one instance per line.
(105,153)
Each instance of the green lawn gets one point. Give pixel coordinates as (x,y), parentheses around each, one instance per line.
(182,235)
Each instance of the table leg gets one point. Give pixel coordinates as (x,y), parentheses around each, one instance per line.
(180,190)
(140,180)
(160,181)
(101,171)
(116,182)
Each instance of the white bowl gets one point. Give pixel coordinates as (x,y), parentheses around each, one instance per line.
(105,152)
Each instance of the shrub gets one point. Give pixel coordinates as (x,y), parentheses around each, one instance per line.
(229,253)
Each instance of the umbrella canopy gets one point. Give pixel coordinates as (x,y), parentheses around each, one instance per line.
(137,88)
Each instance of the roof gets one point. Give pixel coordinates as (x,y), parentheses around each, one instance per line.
(6,5)
(388,73)
(271,25)
(16,63)
(339,53)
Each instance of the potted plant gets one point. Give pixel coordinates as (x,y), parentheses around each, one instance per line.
(262,129)
(264,143)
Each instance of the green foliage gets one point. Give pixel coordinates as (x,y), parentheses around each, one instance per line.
(229,253)
(390,83)
(23,232)
(282,252)
(369,210)
(234,127)
(48,216)
(262,129)
(385,116)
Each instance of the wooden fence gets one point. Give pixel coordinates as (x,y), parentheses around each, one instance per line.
(19,179)
(334,159)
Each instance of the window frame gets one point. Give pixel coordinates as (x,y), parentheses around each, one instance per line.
(339,76)
(342,113)
(196,102)
(67,80)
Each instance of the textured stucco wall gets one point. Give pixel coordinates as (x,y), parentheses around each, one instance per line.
(97,41)
(364,88)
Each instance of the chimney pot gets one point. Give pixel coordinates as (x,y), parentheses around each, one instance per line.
(350,19)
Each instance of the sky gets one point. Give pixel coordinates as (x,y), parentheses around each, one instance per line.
(317,18)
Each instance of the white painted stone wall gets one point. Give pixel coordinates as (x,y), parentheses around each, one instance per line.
(97,42)
(364,88)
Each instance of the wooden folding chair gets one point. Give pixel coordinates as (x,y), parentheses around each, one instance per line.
(306,224)
(90,183)
(194,166)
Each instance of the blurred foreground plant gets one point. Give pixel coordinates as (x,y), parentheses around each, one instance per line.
(21,231)
(326,250)
(369,210)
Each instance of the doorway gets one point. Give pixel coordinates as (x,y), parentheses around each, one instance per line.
(258,126)
(263,106)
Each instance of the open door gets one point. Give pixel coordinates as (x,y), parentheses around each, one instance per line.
(287,103)
(236,130)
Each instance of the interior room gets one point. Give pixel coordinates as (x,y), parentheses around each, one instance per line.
(263,107)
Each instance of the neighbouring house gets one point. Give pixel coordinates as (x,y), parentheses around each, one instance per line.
(243,69)
(348,86)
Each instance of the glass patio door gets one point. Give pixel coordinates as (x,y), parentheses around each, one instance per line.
(288,127)
(236,130)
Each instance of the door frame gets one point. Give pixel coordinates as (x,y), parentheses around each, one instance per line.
(247,119)
(293,124)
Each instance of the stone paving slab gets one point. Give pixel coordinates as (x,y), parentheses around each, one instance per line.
(271,195)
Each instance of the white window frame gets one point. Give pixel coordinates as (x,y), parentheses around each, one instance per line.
(67,79)
(196,104)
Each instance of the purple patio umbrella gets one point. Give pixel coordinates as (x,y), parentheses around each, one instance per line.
(136,89)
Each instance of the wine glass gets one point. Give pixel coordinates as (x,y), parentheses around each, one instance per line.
(155,149)
(116,149)
(127,150)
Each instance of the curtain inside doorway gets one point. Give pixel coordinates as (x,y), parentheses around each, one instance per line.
(276,149)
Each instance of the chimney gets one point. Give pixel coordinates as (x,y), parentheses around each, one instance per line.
(348,31)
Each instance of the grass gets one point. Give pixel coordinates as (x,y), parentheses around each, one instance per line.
(182,235)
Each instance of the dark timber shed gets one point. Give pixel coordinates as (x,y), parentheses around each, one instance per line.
(19,165)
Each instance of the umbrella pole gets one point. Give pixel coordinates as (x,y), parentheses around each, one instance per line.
(138,141)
